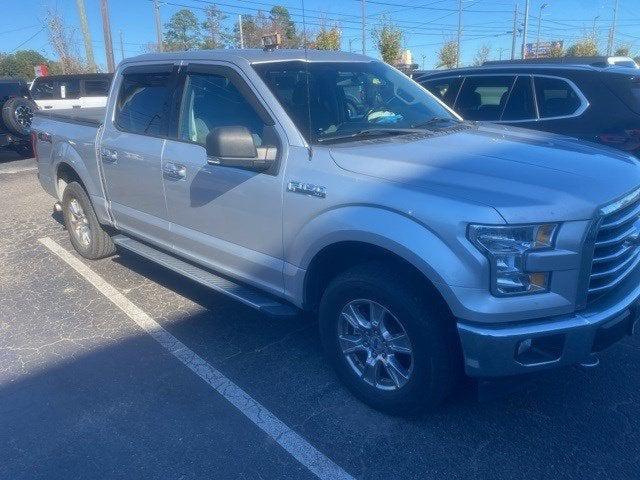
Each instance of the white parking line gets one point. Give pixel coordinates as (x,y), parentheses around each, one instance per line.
(305,453)
(9,171)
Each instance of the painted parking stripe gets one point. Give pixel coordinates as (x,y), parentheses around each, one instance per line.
(305,453)
(10,171)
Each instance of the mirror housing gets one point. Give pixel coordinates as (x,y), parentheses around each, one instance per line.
(233,147)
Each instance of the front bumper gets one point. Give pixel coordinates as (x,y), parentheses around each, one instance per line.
(500,350)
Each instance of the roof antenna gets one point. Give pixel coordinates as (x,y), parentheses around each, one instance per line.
(306,72)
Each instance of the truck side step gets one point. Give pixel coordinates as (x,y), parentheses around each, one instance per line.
(247,295)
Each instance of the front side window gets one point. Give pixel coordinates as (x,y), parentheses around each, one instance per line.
(446,89)
(333,100)
(210,101)
(68,88)
(96,88)
(142,102)
(556,98)
(520,105)
(484,98)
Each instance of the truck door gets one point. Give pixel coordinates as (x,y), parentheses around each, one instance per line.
(131,148)
(225,217)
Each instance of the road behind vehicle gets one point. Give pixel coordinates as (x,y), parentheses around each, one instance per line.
(53,92)
(331,183)
(588,99)
(17,111)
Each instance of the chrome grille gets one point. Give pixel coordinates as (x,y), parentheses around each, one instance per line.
(617,245)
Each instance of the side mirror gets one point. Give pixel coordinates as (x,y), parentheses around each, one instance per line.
(234,147)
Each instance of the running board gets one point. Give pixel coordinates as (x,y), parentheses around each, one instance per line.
(247,295)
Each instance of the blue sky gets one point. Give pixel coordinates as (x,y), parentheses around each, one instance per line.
(427,23)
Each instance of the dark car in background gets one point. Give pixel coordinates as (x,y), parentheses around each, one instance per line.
(17,111)
(594,101)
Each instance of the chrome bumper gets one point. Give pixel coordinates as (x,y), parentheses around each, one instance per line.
(513,349)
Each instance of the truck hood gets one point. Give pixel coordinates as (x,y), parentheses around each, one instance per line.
(525,175)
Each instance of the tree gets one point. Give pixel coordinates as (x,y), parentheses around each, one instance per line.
(280,22)
(252,30)
(556,51)
(328,38)
(482,55)
(448,55)
(623,51)
(182,32)
(585,47)
(63,43)
(388,39)
(216,35)
(21,63)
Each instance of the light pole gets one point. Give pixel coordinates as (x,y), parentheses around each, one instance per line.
(542,7)
(595,19)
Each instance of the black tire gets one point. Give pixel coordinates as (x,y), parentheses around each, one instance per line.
(98,243)
(436,366)
(17,113)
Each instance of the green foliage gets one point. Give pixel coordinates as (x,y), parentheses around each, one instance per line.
(448,55)
(21,63)
(216,35)
(623,51)
(556,51)
(328,38)
(585,47)
(280,22)
(182,32)
(388,39)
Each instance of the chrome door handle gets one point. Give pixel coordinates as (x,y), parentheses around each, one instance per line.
(109,155)
(174,171)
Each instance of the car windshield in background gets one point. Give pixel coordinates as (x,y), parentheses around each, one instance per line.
(347,100)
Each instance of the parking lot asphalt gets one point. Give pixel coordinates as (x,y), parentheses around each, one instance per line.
(86,393)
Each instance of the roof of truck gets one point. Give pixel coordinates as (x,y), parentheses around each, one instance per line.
(254,55)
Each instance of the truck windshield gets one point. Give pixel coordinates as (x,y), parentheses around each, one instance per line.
(341,100)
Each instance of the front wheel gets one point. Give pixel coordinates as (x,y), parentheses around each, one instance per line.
(85,232)
(391,344)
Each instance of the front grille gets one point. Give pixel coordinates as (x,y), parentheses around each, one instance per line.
(617,247)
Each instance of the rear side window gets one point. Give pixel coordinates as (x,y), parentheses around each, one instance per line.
(484,98)
(44,89)
(68,88)
(446,89)
(520,105)
(625,87)
(96,88)
(56,88)
(556,97)
(142,102)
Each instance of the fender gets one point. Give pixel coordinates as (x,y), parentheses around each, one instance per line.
(391,230)
(64,153)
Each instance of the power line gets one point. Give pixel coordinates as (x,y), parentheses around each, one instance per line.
(28,39)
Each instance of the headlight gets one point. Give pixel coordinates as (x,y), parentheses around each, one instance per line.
(506,248)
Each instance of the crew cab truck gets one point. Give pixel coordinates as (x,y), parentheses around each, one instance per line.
(428,246)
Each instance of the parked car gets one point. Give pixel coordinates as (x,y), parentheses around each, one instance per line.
(17,112)
(594,103)
(427,245)
(54,92)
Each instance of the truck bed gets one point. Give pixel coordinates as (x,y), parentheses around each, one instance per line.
(93,116)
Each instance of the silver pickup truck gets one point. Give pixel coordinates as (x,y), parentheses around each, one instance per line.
(428,246)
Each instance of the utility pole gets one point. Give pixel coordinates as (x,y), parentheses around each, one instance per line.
(121,46)
(459,39)
(108,42)
(612,35)
(524,31)
(364,38)
(86,33)
(542,7)
(515,32)
(595,19)
(240,31)
(350,47)
(156,14)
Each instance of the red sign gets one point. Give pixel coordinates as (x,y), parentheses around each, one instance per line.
(41,70)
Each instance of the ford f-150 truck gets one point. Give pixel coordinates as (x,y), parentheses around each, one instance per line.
(428,246)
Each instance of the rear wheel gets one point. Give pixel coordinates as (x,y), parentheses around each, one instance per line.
(393,346)
(86,234)
(17,114)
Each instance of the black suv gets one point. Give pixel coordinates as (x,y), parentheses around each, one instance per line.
(17,111)
(595,102)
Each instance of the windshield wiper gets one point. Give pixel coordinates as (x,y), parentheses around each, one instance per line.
(367,133)
(434,122)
